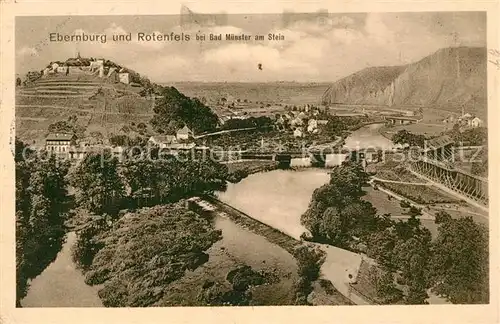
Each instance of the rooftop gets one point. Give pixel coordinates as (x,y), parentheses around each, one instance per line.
(184,130)
(59,137)
(439,142)
(163,138)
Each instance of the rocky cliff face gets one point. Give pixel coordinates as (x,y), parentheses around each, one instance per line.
(450,78)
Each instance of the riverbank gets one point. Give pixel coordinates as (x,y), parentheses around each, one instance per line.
(240,169)
(324,292)
(273,235)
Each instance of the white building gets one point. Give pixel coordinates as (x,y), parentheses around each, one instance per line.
(124,77)
(298,132)
(475,122)
(162,141)
(297,122)
(184,133)
(59,142)
(96,65)
(62,69)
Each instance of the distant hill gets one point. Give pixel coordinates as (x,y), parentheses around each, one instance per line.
(450,78)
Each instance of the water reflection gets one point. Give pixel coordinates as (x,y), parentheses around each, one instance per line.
(61,284)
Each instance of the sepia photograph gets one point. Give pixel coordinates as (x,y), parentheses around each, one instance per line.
(275,159)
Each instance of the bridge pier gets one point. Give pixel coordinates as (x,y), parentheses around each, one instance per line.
(318,160)
(284,160)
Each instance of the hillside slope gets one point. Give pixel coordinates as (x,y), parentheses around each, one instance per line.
(450,78)
(99,104)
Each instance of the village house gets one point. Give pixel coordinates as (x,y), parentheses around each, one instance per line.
(475,122)
(298,132)
(302,115)
(470,120)
(59,142)
(297,122)
(162,141)
(312,126)
(123,77)
(184,133)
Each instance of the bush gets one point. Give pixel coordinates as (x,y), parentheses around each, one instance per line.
(327,286)
(147,250)
(244,277)
(309,259)
(405,204)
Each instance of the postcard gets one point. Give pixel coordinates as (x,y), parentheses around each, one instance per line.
(226,164)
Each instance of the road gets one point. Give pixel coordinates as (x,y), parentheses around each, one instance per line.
(401,182)
(224,132)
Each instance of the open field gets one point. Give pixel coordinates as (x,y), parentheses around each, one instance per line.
(384,204)
(419,194)
(398,173)
(430,125)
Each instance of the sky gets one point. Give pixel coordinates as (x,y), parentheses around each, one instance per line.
(318,47)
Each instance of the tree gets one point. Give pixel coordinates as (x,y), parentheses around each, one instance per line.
(174,109)
(405,137)
(417,295)
(459,264)
(41,204)
(442,217)
(99,187)
(336,211)
(309,261)
(386,290)
(381,245)
(137,264)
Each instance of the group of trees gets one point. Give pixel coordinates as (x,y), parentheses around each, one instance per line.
(165,180)
(145,251)
(458,267)
(309,262)
(337,125)
(68,126)
(238,294)
(173,110)
(336,211)
(476,136)
(41,203)
(104,187)
(454,264)
(101,182)
(258,122)
(405,137)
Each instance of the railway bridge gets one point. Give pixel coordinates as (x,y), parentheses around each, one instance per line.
(436,163)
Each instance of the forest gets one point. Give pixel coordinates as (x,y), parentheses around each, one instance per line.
(454,264)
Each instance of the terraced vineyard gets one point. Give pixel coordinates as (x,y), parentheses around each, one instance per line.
(99,104)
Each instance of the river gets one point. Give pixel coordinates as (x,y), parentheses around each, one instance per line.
(277,198)
(61,284)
